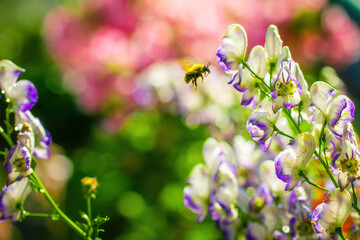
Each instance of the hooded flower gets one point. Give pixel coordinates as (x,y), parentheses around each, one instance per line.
(197,193)
(268,176)
(337,109)
(18,159)
(224,192)
(293,159)
(10,198)
(232,51)
(9,73)
(248,84)
(347,163)
(23,93)
(223,200)
(261,124)
(332,213)
(202,176)
(42,136)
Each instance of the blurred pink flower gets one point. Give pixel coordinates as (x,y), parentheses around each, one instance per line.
(103,45)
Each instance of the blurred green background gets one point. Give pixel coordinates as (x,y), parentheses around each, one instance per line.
(142,168)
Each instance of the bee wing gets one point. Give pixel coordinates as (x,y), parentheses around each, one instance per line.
(185,65)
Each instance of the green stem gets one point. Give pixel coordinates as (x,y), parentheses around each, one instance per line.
(354,193)
(7,117)
(301,173)
(272,65)
(327,169)
(6,137)
(255,75)
(300,118)
(42,215)
(339,231)
(288,114)
(88,203)
(64,217)
(355,207)
(321,135)
(282,133)
(264,92)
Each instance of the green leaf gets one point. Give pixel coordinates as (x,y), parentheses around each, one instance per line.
(100,220)
(305,126)
(33,163)
(34,186)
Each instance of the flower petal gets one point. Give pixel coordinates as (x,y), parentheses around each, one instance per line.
(273,43)
(260,125)
(257,60)
(11,196)
(340,111)
(232,52)
(304,148)
(286,168)
(321,93)
(9,73)
(24,95)
(333,212)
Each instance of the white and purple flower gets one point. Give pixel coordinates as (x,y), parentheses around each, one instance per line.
(18,159)
(202,178)
(23,93)
(223,198)
(332,213)
(287,88)
(42,136)
(10,199)
(233,49)
(261,124)
(293,159)
(337,109)
(248,84)
(346,164)
(197,193)
(268,176)
(224,192)
(9,74)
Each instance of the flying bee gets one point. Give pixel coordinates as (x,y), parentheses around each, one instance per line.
(194,71)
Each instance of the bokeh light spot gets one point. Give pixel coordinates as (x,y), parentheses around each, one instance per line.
(131,204)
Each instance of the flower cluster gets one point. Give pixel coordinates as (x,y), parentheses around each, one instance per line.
(239,190)
(32,138)
(301,127)
(20,157)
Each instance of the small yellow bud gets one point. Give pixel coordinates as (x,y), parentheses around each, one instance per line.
(89,185)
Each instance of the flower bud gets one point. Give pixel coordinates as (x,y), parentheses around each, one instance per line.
(89,185)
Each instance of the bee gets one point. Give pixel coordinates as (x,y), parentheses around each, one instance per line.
(194,71)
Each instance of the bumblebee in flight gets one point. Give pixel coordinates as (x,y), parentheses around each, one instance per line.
(194,71)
